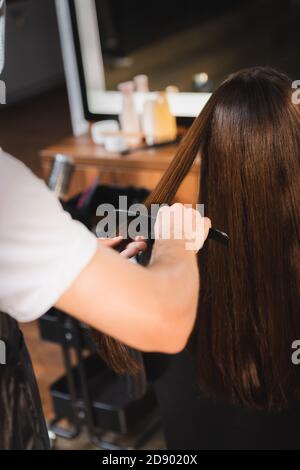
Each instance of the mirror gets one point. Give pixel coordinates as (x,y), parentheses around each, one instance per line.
(189,45)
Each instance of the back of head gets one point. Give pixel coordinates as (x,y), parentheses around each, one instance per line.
(248,137)
(250,184)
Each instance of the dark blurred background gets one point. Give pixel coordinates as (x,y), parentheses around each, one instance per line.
(169,41)
(172,41)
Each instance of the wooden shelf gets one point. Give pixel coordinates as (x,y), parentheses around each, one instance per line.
(140,168)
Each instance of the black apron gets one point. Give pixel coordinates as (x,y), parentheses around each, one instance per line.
(22,424)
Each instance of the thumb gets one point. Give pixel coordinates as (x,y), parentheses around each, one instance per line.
(207,226)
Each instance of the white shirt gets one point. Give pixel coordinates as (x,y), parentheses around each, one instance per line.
(42,250)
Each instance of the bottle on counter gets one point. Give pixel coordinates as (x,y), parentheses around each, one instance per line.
(129,118)
(141,83)
(61,175)
(158,124)
(172,89)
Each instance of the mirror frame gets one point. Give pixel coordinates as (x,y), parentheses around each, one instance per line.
(184,105)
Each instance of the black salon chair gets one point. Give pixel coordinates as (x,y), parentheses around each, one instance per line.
(193,421)
(89,394)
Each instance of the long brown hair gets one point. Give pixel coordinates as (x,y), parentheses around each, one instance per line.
(248,137)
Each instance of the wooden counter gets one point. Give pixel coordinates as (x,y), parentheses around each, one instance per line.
(141,168)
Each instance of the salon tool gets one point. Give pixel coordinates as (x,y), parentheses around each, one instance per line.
(218,236)
(60,175)
(146,147)
(214,234)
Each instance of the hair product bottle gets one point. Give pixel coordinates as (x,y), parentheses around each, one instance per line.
(129,118)
(159,125)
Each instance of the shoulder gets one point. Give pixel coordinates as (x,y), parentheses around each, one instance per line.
(16,177)
(26,203)
(11,166)
(20,187)
(42,250)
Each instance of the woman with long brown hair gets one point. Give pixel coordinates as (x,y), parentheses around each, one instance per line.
(248,139)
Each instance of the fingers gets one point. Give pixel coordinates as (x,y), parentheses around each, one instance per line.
(131,250)
(134,248)
(177,222)
(207,226)
(180,222)
(110,242)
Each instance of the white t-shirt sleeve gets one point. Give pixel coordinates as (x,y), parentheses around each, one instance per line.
(42,250)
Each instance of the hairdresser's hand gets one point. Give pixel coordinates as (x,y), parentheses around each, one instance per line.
(184,224)
(131,250)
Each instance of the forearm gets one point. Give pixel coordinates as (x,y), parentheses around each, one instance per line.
(176,275)
(161,312)
(154,308)
(148,308)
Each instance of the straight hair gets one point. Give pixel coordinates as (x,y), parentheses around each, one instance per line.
(248,139)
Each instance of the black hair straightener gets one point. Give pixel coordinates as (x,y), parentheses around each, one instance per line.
(214,234)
